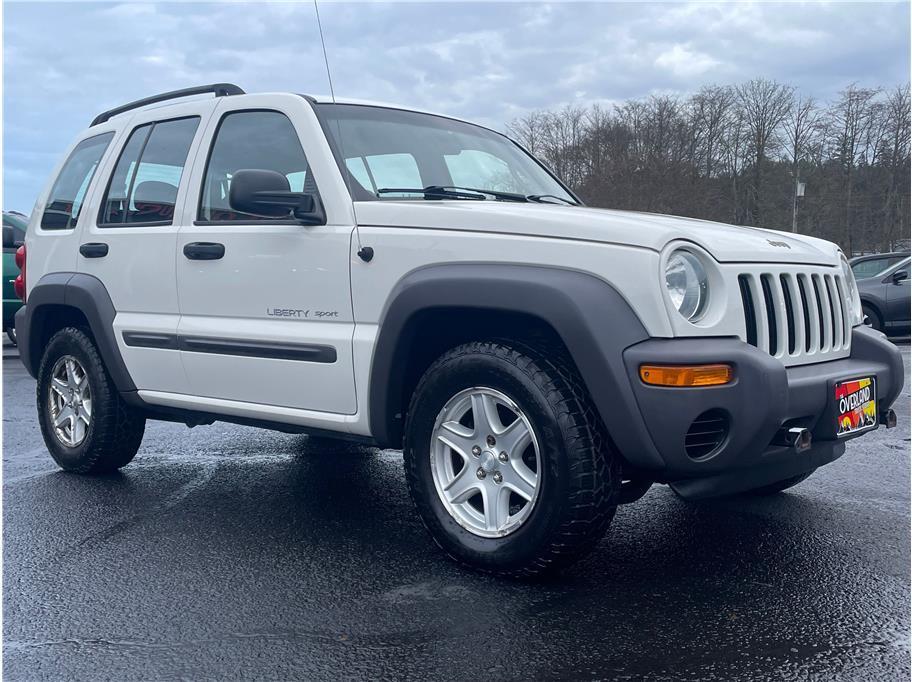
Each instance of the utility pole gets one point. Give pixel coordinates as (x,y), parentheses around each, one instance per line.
(799,192)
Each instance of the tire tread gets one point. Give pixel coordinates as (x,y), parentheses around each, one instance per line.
(117,429)
(593,466)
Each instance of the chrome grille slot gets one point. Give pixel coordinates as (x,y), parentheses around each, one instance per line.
(811,337)
(796,313)
(771,310)
(825,313)
(844,306)
(790,321)
(840,314)
(750,314)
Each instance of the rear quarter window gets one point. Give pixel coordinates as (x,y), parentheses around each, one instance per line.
(68,193)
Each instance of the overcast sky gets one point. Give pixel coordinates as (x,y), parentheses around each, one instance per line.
(66,62)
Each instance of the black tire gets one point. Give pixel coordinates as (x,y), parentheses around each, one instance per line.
(580,471)
(11,335)
(115,431)
(779,486)
(874,318)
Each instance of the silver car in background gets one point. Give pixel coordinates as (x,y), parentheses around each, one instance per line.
(885,298)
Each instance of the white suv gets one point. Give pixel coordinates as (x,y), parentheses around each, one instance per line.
(412,280)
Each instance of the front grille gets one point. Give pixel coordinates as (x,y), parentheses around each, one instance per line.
(797,315)
(706,434)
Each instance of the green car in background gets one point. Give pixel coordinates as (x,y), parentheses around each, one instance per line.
(14,225)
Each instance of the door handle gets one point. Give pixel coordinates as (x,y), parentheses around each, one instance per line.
(94,250)
(204,250)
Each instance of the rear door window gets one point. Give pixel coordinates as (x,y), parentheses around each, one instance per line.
(69,190)
(143,187)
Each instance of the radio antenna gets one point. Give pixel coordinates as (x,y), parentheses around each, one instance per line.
(365,253)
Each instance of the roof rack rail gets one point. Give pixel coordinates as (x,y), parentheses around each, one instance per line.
(218,89)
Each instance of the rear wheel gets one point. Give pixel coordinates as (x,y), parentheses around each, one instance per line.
(86,425)
(509,466)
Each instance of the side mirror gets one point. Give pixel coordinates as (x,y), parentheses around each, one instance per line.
(267,193)
(900,276)
(9,239)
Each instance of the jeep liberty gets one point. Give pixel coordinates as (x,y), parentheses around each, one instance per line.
(414,281)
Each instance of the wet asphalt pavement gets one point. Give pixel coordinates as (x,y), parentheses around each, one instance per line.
(226,552)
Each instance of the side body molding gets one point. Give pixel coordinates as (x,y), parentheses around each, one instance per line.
(85,293)
(592,319)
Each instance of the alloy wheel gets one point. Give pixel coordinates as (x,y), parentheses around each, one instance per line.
(70,401)
(485,462)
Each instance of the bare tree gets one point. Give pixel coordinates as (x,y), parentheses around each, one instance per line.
(764,104)
(528,130)
(851,117)
(735,144)
(734,154)
(895,158)
(712,107)
(800,124)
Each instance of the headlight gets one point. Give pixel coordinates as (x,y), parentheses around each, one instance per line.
(687,284)
(853,304)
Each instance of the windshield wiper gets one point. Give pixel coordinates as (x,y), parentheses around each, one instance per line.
(540,199)
(503,196)
(453,192)
(435,192)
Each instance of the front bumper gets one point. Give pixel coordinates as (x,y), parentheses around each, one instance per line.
(763,397)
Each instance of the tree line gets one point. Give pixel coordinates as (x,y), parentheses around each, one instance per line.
(735,154)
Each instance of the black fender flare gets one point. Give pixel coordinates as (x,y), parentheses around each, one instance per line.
(87,294)
(593,320)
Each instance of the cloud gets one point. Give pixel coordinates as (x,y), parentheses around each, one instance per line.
(685,63)
(491,62)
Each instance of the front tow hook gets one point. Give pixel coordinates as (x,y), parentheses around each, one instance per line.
(797,438)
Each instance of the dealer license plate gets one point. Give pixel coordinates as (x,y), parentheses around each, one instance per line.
(856,405)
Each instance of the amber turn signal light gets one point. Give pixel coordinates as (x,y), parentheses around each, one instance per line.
(686,375)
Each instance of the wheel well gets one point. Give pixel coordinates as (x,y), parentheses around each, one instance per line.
(872,306)
(46,321)
(431,332)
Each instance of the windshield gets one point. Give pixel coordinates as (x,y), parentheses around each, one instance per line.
(897,266)
(871,267)
(388,149)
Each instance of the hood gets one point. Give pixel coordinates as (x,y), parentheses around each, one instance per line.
(726,243)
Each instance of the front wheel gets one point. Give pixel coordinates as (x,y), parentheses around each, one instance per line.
(508,465)
(86,425)
(874,319)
